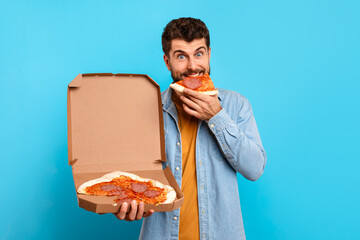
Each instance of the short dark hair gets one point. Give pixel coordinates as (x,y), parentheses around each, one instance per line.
(186,29)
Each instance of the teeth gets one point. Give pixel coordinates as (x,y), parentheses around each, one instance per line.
(194,75)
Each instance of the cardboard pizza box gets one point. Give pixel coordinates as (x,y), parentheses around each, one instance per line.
(115,123)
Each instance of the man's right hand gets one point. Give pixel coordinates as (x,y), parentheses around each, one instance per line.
(136,211)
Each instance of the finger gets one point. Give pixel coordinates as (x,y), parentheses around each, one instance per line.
(122,213)
(194,94)
(191,112)
(196,100)
(149,213)
(133,210)
(201,99)
(190,103)
(140,211)
(196,97)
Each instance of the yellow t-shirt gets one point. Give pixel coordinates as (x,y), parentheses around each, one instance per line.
(189,211)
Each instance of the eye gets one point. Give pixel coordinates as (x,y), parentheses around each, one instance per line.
(199,54)
(181,56)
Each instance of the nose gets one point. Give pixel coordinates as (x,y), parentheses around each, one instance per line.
(191,64)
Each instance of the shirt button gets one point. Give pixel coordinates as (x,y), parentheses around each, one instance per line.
(178,143)
(175,218)
(212,125)
(177,168)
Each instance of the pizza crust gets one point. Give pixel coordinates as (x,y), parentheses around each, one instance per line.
(179,88)
(170,192)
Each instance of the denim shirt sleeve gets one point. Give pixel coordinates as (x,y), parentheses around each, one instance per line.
(239,140)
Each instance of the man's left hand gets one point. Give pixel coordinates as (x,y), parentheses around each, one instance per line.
(200,105)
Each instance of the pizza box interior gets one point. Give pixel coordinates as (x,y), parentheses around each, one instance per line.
(115,123)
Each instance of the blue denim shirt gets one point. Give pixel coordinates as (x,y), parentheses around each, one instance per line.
(227,143)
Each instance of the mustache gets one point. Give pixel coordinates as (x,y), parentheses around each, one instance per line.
(187,73)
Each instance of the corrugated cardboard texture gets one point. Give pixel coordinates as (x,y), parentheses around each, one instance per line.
(114,123)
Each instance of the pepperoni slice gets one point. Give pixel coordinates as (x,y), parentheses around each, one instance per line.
(151,193)
(109,187)
(192,83)
(120,194)
(138,187)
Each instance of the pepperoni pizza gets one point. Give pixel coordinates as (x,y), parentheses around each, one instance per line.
(202,84)
(127,187)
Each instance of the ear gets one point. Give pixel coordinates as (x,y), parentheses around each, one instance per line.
(209,52)
(167,61)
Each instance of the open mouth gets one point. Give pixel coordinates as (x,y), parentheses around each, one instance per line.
(193,74)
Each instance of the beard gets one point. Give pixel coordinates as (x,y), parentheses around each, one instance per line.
(183,75)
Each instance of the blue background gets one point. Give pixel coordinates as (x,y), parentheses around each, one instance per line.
(296,61)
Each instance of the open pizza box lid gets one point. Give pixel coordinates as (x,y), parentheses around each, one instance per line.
(115,123)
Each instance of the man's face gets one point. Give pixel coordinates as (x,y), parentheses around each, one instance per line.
(188,58)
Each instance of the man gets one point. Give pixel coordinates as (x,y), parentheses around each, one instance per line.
(208,139)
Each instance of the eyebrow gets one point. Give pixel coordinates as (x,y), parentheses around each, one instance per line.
(181,51)
(178,51)
(200,48)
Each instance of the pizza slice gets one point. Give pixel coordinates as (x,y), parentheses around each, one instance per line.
(127,187)
(202,84)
